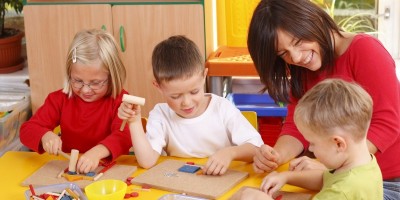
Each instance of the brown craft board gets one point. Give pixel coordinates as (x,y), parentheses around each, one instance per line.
(287,195)
(166,176)
(47,174)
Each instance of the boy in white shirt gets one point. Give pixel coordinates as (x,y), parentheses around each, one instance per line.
(192,123)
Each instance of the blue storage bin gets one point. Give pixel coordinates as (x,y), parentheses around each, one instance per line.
(263,104)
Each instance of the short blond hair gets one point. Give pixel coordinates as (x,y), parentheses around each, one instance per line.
(89,46)
(335,103)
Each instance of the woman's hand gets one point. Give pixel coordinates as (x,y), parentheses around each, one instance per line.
(51,143)
(265,160)
(305,163)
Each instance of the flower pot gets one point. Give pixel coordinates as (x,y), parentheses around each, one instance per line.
(10,53)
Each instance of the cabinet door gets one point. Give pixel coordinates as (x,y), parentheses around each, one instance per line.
(49,30)
(144,27)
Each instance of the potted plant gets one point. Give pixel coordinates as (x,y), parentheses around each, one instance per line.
(360,22)
(10,39)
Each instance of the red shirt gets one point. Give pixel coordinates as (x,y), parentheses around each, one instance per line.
(83,124)
(368,63)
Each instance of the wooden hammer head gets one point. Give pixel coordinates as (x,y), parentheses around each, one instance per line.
(133,99)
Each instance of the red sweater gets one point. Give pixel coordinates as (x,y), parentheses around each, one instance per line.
(83,125)
(368,63)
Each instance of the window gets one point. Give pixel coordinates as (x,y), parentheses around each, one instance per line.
(376,17)
(389,28)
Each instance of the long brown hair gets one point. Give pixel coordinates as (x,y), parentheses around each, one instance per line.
(300,18)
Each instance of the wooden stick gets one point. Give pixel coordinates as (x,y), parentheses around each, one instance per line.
(76,177)
(64,154)
(132,100)
(104,170)
(62,172)
(61,195)
(37,198)
(72,193)
(73,160)
(59,175)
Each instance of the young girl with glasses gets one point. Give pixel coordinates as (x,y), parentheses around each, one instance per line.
(86,109)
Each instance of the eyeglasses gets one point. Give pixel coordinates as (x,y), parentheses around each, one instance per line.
(94,85)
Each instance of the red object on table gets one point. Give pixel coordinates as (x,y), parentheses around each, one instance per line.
(108,166)
(32,190)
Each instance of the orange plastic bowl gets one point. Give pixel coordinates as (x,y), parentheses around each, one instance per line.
(106,190)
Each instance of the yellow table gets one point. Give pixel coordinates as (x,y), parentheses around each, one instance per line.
(16,166)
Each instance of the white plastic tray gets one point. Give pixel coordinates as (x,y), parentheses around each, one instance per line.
(56,188)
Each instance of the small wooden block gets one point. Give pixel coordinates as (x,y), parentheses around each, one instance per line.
(189,168)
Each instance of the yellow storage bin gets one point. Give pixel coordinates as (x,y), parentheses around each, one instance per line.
(233,19)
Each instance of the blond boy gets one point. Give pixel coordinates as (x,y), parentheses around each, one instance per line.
(333,117)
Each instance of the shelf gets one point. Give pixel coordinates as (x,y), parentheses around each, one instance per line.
(231,61)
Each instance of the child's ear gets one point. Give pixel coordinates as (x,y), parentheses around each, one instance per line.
(205,72)
(340,143)
(157,85)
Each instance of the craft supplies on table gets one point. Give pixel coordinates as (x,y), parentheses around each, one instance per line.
(56,189)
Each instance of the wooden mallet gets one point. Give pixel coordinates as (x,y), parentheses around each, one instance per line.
(64,154)
(73,160)
(132,100)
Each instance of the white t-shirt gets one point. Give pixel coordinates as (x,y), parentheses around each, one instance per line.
(221,125)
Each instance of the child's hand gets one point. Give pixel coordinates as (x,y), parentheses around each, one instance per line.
(87,162)
(218,163)
(51,143)
(130,112)
(273,182)
(265,160)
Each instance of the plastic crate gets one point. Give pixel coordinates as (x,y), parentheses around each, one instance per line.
(262,104)
(230,61)
(270,115)
(10,124)
(56,188)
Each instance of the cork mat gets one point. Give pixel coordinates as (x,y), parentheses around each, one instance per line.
(47,174)
(166,176)
(287,195)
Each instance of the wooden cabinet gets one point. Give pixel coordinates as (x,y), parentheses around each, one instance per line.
(50,29)
(145,26)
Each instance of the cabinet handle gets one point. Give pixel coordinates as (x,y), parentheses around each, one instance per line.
(121,38)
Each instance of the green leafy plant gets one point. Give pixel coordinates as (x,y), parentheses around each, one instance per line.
(360,22)
(5,5)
